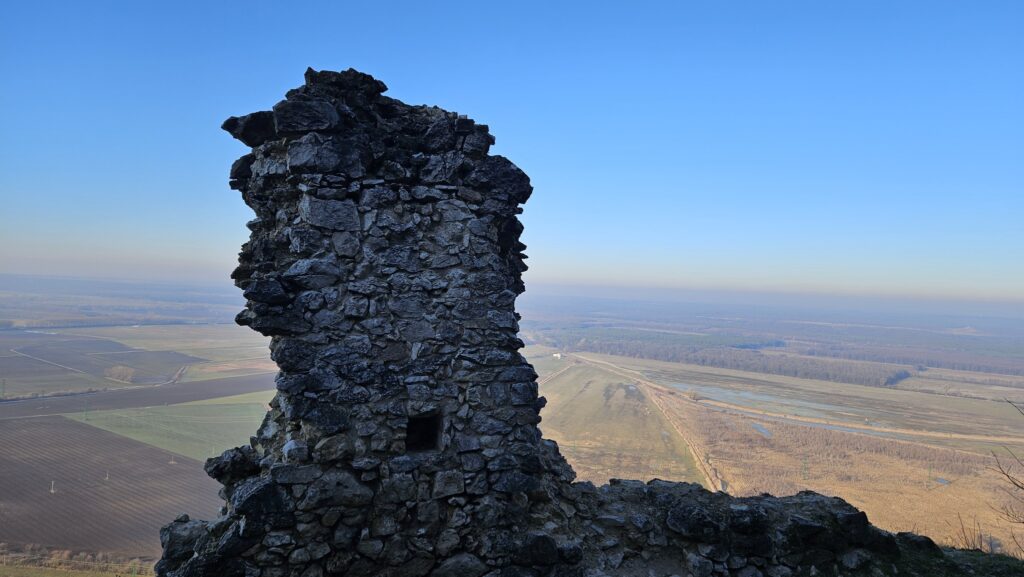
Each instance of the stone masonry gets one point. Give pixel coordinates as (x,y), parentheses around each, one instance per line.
(403,441)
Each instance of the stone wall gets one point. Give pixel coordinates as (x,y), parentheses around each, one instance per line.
(385,262)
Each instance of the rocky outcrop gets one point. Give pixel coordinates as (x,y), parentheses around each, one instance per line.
(385,262)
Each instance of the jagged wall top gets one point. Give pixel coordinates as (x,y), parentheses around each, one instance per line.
(384,261)
(352,103)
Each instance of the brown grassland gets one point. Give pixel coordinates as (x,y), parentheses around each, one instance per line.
(608,427)
(892,453)
(903,486)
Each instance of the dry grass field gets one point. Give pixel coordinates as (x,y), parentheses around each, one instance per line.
(967,384)
(607,427)
(952,421)
(917,477)
(902,485)
(35,561)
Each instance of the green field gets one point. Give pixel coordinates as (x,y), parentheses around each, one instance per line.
(198,430)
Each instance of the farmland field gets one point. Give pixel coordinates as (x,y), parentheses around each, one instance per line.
(47,302)
(223,369)
(989,386)
(119,485)
(109,493)
(215,342)
(62,361)
(834,407)
(27,377)
(137,397)
(53,363)
(198,429)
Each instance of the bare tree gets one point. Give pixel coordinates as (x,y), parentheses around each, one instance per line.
(1011,468)
(120,373)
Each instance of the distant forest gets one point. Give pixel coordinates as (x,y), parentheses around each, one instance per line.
(744,354)
(945,359)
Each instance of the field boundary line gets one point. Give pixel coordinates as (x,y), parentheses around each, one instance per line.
(65,367)
(698,457)
(555,374)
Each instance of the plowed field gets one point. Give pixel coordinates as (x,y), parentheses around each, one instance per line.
(109,493)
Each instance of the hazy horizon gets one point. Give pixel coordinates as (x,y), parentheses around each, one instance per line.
(225,290)
(839,149)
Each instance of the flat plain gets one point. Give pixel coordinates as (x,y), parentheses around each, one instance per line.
(125,457)
(59,361)
(844,408)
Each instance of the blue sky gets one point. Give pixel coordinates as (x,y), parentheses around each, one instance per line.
(839,147)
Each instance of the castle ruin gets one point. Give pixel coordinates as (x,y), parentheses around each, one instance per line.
(403,441)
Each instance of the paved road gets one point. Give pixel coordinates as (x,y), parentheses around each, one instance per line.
(138,397)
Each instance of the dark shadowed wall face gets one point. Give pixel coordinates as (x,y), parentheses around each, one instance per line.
(385,262)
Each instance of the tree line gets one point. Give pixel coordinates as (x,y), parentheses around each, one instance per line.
(743,357)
